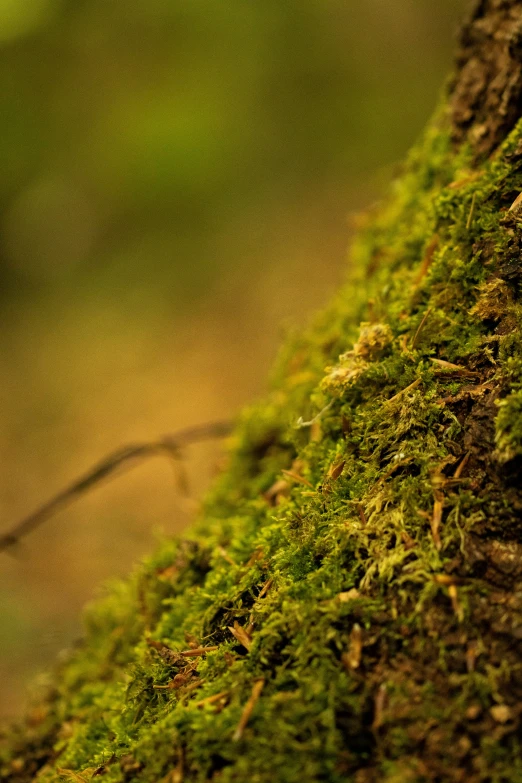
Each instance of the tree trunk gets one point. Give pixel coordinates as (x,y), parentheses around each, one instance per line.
(356,575)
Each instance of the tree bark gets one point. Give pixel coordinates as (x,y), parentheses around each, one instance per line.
(349,605)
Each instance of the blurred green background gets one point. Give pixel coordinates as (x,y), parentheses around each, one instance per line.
(176,181)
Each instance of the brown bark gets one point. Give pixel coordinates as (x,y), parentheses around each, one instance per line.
(486,99)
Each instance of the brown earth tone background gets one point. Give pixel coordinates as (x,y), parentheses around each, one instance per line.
(177,184)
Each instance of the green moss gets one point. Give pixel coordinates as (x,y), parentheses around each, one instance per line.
(509,427)
(381,516)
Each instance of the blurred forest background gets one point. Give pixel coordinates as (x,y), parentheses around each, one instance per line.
(177,179)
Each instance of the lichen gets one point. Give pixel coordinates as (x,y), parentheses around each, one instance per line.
(348,607)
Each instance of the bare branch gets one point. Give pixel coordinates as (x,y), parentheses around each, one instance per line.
(122,458)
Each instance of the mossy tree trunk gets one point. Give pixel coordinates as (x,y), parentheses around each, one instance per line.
(349,605)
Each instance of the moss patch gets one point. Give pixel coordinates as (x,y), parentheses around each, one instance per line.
(349,605)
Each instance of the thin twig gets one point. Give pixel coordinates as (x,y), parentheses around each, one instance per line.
(436,520)
(198,651)
(449,368)
(462,464)
(291,474)
(265,589)
(248,709)
(420,328)
(241,635)
(212,699)
(300,423)
(362,515)
(403,391)
(169,444)
(471,210)
(380,704)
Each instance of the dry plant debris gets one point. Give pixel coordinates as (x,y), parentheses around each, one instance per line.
(370,568)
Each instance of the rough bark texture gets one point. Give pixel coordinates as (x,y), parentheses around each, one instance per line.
(357,580)
(487,97)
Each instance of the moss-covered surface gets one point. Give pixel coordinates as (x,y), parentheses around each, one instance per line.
(356,573)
